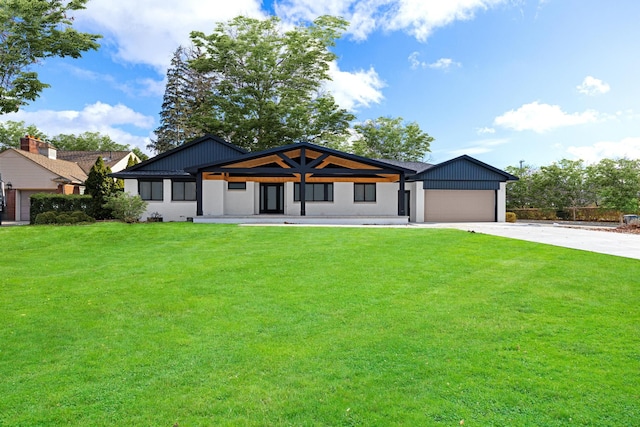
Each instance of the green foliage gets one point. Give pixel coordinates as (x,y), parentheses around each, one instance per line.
(99,185)
(268,83)
(390,138)
(86,141)
(32,30)
(126,207)
(617,184)
(11,132)
(167,325)
(52,217)
(131,161)
(46,202)
(138,152)
(186,93)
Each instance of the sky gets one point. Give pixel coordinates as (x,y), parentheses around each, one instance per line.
(503,81)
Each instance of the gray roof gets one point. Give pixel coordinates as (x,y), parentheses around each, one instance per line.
(86,159)
(415,166)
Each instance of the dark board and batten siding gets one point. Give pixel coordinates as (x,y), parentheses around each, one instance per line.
(463,173)
(195,153)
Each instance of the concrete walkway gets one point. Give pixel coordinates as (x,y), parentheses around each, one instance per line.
(587,239)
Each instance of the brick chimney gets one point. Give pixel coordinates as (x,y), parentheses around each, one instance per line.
(37,146)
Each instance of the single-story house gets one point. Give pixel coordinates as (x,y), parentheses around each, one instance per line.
(211,180)
(37,167)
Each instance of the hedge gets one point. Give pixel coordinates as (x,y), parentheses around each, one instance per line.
(47,202)
(581,214)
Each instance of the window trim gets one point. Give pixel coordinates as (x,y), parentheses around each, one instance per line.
(327,192)
(151,182)
(184,192)
(240,186)
(364,192)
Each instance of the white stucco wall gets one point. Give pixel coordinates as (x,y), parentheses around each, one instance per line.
(501,201)
(168,209)
(343,205)
(241,202)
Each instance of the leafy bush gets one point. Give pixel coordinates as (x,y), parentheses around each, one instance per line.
(511,217)
(126,207)
(46,218)
(52,217)
(47,202)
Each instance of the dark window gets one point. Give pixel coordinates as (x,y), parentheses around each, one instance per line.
(364,192)
(183,190)
(316,192)
(150,190)
(236,186)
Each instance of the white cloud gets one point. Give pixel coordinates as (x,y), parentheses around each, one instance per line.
(544,117)
(98,117)
(485,130)
(480,147)
(148,31)
(416,17)
(592,86)
(627,147)
(441,64)
(352,90)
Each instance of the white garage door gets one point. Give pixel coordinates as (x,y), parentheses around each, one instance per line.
(460,205)
(25,203)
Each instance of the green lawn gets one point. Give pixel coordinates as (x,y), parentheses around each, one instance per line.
(156,324)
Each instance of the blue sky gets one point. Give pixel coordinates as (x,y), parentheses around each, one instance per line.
(500,80)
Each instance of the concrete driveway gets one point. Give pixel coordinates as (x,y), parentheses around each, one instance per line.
(586,239)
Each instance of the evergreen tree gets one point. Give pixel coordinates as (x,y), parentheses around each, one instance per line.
(100,186)
(185,93)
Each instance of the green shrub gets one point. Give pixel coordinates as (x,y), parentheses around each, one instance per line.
(46,202)
(46,218)
(511,217)
(80,216)
(126,207)
(52,217)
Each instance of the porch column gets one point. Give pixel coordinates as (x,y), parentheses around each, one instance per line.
(303,182)
(401,211)
(199,194)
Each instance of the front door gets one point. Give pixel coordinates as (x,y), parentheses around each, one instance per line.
(271,198)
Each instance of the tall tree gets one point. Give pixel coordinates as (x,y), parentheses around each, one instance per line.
(11,132)
(391,138)
(617,184)
(564,185)
(86,141)
(30,31)
(185,94)
(523,193)
(268,82)
(100,186)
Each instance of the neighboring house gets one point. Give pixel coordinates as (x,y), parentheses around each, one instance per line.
(115,160)
(37,167)
(210,180)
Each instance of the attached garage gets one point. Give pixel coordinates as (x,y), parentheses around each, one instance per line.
(25,202)
(463,190)
(460,205)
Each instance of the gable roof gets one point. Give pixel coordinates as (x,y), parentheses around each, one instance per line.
(288,164)
(86,159)
(68,172)
(415,166)
(463,173)
(175,161)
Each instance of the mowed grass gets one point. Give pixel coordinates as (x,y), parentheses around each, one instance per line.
(157,324)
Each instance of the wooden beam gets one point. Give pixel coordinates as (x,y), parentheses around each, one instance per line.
(351,164)
(274,158)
